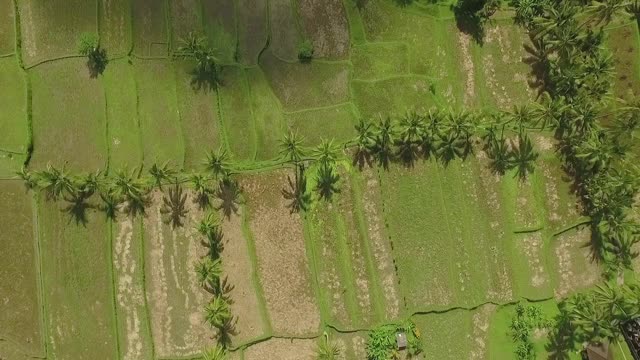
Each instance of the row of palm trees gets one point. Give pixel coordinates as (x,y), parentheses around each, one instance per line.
(575,74)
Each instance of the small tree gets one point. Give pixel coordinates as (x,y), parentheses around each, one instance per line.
(89,46)
(326,349)
(305,51)
(196,47)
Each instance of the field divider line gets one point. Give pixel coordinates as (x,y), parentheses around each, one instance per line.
(327,107)
(529,230)
(583,221)
(45,61)
(3,56)
(396,77)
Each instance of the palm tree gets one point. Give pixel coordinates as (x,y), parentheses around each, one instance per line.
(208,225)
(109,205)
(162,173)
(174,206)
(500,155)
(130,189)
(217,312)
(88,184)
(431,129)
(217,163)
(364,142)
(606,10)
(326,180)
(327,152)
(26,176)
(210,228)
(411,130)
(463,125)
(209,272)
(297,193)
(523,156)
(201,189)
(55,182)
(291,147)
(327,350)
(383,141)
(449,147)
(196,47)
(218,352)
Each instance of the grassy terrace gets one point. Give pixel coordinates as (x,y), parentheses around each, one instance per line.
(453,247)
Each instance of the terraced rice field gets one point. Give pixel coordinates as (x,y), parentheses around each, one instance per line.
(439,244)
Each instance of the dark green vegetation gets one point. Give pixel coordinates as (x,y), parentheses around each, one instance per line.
(236,206)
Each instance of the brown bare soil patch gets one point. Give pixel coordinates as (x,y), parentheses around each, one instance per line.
(532,247)
(325,22)
(464,43)
(480,320)
(526,216)
(237,270)
(175,298)
(380,246)
(576,269)
(282,259)
(282,349)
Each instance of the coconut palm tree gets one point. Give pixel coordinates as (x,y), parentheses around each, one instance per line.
(217,163)
(326,349)
(364,142)
(196,46)
(208,225)
(109,205)
(209,272)
(501,156)
(55,182)
(217,312)
(408,142)
(210,228)
(523,156)
(174,206)
(162,173)
(326,181)
(28,178)
(218,352)
(449,147)
(606,10)
(383,142)
(130,189)
(291,147)
(201,189)
(431,129)
(326,152)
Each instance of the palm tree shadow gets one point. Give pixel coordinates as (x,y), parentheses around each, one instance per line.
(77,210)
(204,80)
(362,158)
(537,60)
(229,195)
(562,338)
(296,192)
(226,332)
(468,21)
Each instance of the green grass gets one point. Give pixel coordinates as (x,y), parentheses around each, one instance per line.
(267,114)
(623,43)
(150,37)
(285,35)
(332,123)
(158,113)
(19,279)
(199,115)
(80,320)
(252,29)
(301,86)
(235,107)
(393,96)
(115,27)
(220,27)
(13,101)
(446,336)
(7,27)
(50,29)
(84,147)
(125,148)
(380,60)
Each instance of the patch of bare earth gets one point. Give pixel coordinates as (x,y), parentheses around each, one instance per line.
(481,319)
(238,269)
(532,244)
(282,260)
(576,270)
(28,25)
(359,345)
(526,217)
(177,300)
(282,349)
(464,42)
(129,295)
(380,246)
(325,22)
(559,212)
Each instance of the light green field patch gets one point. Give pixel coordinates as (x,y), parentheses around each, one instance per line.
(80,319)
(285,37)
(67,82)
(50,29)
(115,27)
(128,273)
(301,86)
(252,30)
(124,141)
(335,123)
(374,61)
(267,114)
(150,37)
(158,113)
(19,279)
(220,27)
(446,251)
(235,107)
(623,43)
(573,262)
(393,96)
(7,28)
(560,203)
(446,336)
(13,102)
(531,266)
(199,115)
